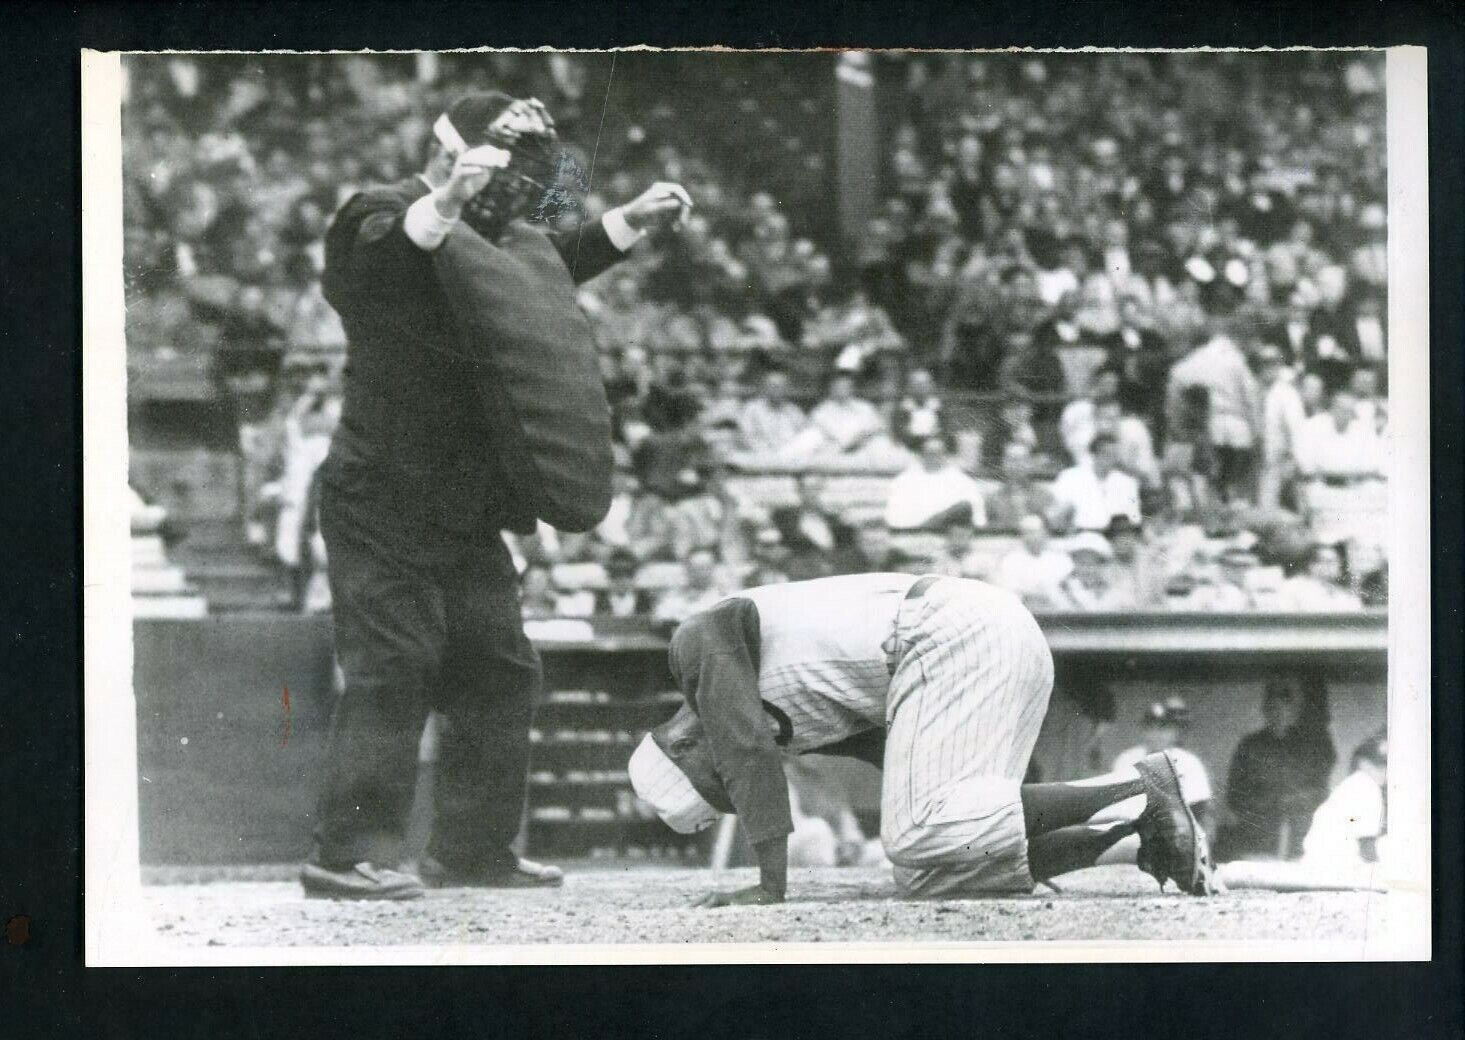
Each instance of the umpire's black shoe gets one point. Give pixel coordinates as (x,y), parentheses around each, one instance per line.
(523,873)
(363,881)
(1172,845)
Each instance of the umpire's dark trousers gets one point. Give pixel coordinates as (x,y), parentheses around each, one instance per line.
(425,618)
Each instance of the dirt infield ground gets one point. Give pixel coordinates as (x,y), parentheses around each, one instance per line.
(649,904)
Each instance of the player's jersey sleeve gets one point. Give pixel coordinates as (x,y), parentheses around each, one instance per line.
(714,659)
(1195,784)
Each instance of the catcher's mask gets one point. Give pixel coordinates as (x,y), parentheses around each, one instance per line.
(525,188)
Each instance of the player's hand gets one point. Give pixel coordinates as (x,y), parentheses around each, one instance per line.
(753,895)
(660,206)
(472,170)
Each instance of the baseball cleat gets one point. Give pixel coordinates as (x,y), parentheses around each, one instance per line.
(1173,846)
(363,881)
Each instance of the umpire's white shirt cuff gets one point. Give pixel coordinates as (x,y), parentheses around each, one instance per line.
(621,234)
(425,226)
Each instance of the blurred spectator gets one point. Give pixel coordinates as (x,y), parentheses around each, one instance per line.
(1018,495)
(769,420)
(960,556)
(700,518)
(1372,406)
(918,412)
(1336,448)
(1165,724)
(1233,408)
(621,597)
(1347,827)
(933,492)
(698,591)
(839,424)
(1089,585)
(1139,568)
(538,599)
(1283,416)
(1092,492)
(770,561)
(1315,582)
(874,551)
(1133,445)
(814,534)
(1077,423)
(1278,775)
(1034,569)
(1014,425)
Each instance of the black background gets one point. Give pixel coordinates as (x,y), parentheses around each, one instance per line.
(45,991)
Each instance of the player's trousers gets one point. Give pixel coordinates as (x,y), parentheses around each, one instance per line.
(966,702)
(425,619)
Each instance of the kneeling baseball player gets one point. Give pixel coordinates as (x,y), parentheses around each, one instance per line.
(941,681)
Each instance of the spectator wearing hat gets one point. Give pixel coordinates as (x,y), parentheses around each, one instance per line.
(769,420)
(1091,492)
(1283,417)
(621,597)
(932,492)
(1090,585)
(1034,569)
(1165,724)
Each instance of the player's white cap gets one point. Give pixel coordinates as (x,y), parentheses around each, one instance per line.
(661,784)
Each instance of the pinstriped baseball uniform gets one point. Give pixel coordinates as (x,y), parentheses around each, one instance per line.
(966,702)
(959,675)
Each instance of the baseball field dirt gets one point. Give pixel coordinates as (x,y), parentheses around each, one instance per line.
(644,903)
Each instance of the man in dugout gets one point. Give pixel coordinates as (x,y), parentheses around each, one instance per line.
(473,404)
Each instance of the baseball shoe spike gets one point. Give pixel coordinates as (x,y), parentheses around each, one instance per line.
(1173,846)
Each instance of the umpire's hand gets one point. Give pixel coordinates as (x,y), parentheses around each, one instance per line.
(660,206)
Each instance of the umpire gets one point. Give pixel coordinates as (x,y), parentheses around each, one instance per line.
(472,405)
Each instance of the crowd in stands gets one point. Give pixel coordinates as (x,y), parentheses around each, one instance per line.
(1114,337)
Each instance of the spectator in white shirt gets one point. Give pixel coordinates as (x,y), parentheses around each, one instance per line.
(933,492)
(839,424)
(1090,494)
(1315,584)
(1336,447)
(1034,569)
(1089,586)
(770,420)
(1164,730)
(1234,399)
(1283,416)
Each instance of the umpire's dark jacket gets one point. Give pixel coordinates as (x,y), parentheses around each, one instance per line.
(413,435)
